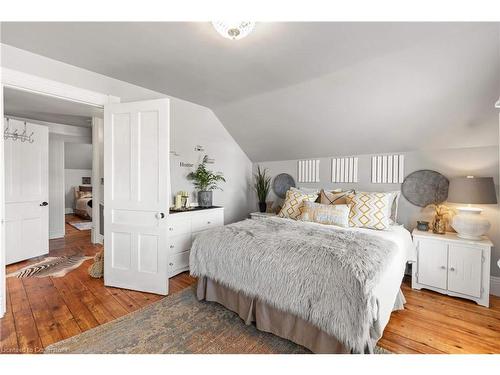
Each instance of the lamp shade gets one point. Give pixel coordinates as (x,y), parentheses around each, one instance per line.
(472,190)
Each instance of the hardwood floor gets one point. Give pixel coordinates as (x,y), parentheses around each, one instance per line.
(41,311)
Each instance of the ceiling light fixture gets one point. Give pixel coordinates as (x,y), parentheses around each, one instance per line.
(233,30)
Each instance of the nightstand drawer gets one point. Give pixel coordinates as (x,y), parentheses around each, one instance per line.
(180,243)
(207,221)
(178,226)
(178,262)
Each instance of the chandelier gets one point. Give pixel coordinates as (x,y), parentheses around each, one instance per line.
(233,30)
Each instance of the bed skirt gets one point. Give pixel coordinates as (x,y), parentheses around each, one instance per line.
(269,319)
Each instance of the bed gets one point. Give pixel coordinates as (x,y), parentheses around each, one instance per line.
(83,201)
(329,289)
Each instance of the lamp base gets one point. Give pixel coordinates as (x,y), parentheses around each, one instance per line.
(469,224)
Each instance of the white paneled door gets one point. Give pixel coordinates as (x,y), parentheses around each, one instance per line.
(26,193)
(136,195)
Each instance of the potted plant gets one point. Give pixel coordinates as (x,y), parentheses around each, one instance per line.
(205,181)
(262,185)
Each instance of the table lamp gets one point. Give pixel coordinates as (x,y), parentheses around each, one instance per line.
(468,223)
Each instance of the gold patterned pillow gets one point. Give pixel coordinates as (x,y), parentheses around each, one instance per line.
(329,214)
(370,210)
(293,203)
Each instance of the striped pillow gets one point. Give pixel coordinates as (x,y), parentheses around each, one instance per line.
(293,203)
(333,214)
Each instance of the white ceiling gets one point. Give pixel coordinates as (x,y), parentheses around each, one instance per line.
(25,104)
(293,90)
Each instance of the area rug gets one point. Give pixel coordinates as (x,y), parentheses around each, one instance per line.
(82,225)
(178,324)
(50,266)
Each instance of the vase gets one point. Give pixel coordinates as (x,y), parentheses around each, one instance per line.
(439,225)
(262,206)
(205,199)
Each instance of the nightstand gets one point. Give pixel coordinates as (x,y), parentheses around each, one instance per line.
(451,265)
(262,214)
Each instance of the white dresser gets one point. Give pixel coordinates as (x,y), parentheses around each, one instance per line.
(181,228)
(451,265)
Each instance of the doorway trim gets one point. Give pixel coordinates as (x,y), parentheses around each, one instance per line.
(28,82)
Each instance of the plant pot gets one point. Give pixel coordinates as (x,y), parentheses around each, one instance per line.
(262,206)
(205,199)
(439,226)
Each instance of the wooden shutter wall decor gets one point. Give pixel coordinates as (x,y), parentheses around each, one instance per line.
(345,169)
(308,170)
(388,169)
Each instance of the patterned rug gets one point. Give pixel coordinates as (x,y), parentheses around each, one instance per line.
(178,324)
(50,266)
(82,225)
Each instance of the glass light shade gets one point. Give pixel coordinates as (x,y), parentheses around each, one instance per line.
(233,30)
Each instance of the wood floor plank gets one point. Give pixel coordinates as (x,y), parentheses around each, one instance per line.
(8,337)
(46,324)
(26,330)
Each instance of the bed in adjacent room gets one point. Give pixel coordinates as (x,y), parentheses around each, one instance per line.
(328,288)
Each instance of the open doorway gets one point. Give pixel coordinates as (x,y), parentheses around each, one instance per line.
(52,181)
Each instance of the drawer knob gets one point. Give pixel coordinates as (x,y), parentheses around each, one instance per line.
(208,222)
(172,246)
(443,267)
(452,269)
(171,229)
(170,264)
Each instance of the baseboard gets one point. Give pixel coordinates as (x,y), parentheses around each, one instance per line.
(53,235)
(495,285)
(68,211)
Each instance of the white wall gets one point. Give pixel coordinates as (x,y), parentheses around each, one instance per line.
(72,178)
(191,125)
(56,186)
(194,125)
(78,156)
(479,161)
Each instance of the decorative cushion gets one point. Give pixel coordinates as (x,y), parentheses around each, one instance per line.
(85,194)
(370,210)
(85,188)
(329,214)
(293,203)
(395,206)
(327,197)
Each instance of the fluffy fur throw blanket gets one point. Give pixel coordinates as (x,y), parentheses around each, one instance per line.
(324,275)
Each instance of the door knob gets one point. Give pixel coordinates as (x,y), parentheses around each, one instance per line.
(452,268)
(160,215)
(170,264)
(443,267)
(43,204)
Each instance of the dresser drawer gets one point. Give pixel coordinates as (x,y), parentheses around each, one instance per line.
(207,220)
(179,243)
(178,226)
(178,263)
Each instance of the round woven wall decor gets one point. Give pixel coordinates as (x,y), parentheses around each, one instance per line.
(282,183)
(425,187)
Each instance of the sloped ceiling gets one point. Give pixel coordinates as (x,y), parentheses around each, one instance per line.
(293,90)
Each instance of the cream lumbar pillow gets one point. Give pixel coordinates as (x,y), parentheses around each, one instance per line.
(329,214)
(293,203)
(371,210)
